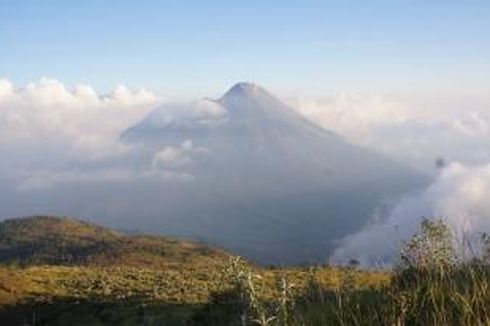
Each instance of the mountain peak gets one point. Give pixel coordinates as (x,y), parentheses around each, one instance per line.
(245,89)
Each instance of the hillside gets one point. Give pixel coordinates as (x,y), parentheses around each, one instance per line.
(58,271)
(67,241)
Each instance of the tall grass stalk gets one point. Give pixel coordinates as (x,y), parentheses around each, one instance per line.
(431,285)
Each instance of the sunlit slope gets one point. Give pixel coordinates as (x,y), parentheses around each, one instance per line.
(51,240)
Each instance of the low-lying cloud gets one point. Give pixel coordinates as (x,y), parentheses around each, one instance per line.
(459,196)
(174,157)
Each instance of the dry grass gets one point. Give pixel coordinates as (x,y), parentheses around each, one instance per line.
(154,281)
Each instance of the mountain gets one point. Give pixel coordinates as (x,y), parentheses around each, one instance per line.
(266,182)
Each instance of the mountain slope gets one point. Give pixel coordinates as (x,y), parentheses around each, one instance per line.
(67,241)
(63,271)
(267,183)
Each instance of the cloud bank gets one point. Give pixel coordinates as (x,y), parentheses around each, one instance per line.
(459,196)
(414,131)
(52,135)
(48,106)
(452,132)
(80,119)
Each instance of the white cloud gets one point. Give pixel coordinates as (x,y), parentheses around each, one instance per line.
(47,110)
(459,195)
(51,131)
(415,132)
(354,116)
(6,88)
(172,157)
(202,112)
(53,135)
(472,124)
(93,148)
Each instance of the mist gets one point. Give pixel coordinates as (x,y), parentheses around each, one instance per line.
(458,196)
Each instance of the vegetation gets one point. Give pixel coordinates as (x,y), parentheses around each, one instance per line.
(49,240)
(432,285)
(59,271)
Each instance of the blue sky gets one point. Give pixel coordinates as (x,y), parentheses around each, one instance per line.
(202,47)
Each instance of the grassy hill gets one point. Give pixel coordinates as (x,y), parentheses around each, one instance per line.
(55,269)
(66,241)
(62,271)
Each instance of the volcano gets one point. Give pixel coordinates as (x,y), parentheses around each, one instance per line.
(266,183)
